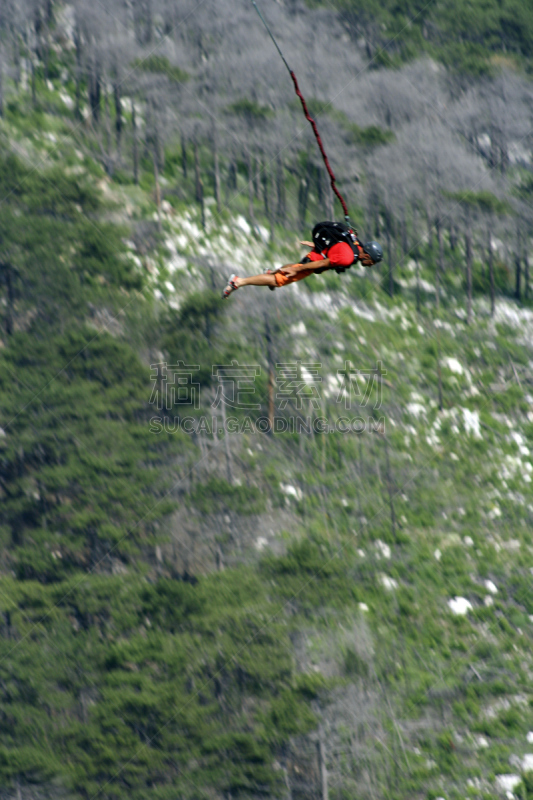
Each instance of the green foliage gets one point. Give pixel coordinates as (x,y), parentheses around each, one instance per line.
(483,201)
(250,110)
(465,36)
(216,495)
(160,65)
(79,465)
(372,136)
(192,336)
(134,698)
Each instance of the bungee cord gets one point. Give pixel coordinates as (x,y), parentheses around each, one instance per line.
(308,117)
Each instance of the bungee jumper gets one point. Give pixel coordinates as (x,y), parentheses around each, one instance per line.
(335,244)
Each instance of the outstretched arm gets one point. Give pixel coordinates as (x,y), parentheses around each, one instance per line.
(293,269)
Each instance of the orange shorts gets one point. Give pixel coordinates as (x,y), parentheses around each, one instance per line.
(283,280)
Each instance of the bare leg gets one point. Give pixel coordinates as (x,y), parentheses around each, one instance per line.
(256,280)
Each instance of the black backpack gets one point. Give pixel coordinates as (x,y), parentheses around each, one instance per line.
(326,234)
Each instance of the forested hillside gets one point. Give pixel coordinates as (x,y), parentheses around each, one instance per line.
(278,545)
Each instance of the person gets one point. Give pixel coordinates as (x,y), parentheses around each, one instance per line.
(334,246)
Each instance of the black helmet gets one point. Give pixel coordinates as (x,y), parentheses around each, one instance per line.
(374,250)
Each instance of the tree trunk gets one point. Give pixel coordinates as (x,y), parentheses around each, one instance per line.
(390,489)
(321,746)
(330,203)
(94,91)
(250,186)
(526,272)
(183,156)
(232,175)
(16,61)
(280,186)
(77,44)
(439,373)
(390,258)
(417,285)
(468,255)
(135,144)
(199,186)
(271,374)
(1,85)
(198,193)
(33,81)
(518,264)
(257,178)
(319,190)
(10,298)
(453,237)
(157,190)
(118,114)
(405,243)
(109,157)
(216,171)
(266,199)
(438,267)
(229,467)
(491,272)
(304,192)
(429,224)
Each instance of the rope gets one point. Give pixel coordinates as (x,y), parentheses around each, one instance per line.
(308,117)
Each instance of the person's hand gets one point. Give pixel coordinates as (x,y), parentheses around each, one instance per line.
(366,261)
(290,271)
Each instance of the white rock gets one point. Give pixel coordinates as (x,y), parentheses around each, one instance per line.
(437,554)
(481,741)
(241,223)
(491,587)
(529,737)
(460,605)
(506,783)
(388,583)
(170,286)
(291,491)
(261,543)
(527,763)
(469,542)
(471,422)
(416,409)
(67,100)
(175,263)
(383,548)
(489,601)
(298,329)
(453,365)
(361,553)
(363,607)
